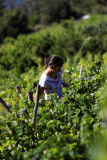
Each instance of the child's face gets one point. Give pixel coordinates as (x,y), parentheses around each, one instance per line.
(57,69)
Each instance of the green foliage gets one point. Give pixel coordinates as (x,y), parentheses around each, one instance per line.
(1,7)
(65,40)
(26,50)
(49,11)
(65,129)
(12,24)
(33,20)
(102,2)
(94,45)
(57,10)
(20,57)
(70,128)
(101,29)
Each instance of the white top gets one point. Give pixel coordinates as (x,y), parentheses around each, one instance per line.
(51,85)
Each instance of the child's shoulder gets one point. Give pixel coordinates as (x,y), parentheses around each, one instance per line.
(43,78)
(43,75)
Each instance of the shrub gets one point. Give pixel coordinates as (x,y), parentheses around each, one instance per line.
(14,55)
(91,30)
(57,10)
(94,45)
(12,24)
(102,27)
(33,20)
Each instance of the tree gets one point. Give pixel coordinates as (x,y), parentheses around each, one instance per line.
(1,7)
(103,2)
(55,10)
(12,24)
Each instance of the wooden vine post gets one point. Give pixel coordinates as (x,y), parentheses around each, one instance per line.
(36,104)
(18,89)
(5,105)
(30,95)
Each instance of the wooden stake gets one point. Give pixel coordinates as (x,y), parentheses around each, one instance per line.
(5,105)
(36,105)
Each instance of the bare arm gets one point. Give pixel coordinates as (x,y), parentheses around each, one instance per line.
(64,84)
(41,92)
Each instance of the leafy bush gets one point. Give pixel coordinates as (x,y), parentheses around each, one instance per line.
(64,40)
(92,30)
(1,7)
(65,129)
(57,10)
(94,45)
(102,27)
(33,20)
(57,147)
(12,24)
(26,49)
(20,57)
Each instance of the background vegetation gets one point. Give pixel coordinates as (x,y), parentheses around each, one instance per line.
(75,128)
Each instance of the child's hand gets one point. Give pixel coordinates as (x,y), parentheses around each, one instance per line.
(69,84)
(64,84)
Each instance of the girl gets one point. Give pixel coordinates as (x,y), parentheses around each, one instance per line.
(51,79)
